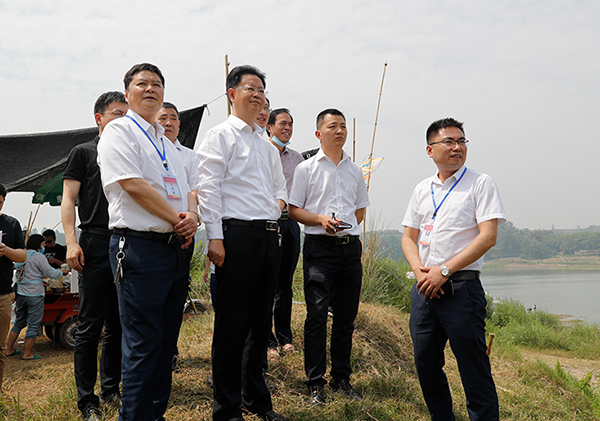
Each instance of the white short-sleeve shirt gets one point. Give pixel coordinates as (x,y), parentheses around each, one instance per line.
(323,188)
(191,163)
(124,152)
(473,200)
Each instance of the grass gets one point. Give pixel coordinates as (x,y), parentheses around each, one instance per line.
(381,358)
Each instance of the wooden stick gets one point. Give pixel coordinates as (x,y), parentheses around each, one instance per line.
(375,127)
(28,228)
(490,342)
(226,75)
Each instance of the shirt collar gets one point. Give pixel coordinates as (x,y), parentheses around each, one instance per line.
(158,129)
(320,155)
(241,125)
(454,176)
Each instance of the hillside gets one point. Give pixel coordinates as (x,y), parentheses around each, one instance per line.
(384,373)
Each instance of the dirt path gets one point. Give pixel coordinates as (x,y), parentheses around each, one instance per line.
(576,366)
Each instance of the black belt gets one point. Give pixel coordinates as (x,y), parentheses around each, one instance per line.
(465,275)
(284,216)
(166,237)
(340,241)
(264,224)
(97,231)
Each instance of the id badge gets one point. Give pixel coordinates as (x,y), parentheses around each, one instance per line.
(172,187)
(426,235)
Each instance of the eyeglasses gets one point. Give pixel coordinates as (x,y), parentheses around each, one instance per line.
(249,89)
(116,112)
(449,142)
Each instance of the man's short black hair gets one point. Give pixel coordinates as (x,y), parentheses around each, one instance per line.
(34,242)
(436,126)
(106,99)
(3,191)
(275,113)
(140,68)
(234,77)
(332,111)
(49,233)
(172,106)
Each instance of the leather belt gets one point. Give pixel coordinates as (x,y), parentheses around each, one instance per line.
(465,275)
(97,231)
(165,237)
(265,224)
(340,241)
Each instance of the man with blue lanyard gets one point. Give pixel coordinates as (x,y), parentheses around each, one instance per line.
(144,180)
(451,222)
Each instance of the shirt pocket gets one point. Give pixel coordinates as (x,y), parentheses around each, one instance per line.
(461,213)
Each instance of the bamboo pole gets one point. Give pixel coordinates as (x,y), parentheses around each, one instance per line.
(371,154)
(226,75)
(353,140)
(32,222)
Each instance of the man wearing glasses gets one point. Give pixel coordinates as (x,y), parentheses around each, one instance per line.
(241,194)
(98,305)
(451,222)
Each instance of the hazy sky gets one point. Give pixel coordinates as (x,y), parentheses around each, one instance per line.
(524,76)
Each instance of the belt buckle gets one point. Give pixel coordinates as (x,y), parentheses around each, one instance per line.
(342,241)
(271,225)
(172,238)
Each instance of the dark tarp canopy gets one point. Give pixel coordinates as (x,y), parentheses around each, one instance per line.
(29,161)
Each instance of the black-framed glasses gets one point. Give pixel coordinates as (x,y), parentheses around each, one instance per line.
(450,142)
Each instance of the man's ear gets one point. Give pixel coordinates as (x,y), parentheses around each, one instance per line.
(318,134)
(429,150)
(97,118)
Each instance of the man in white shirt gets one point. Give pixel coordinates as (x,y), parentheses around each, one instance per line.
(153,220)
(241,194)
(329,196)
(451,222)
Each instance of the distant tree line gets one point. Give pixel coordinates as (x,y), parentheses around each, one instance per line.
(515,242)
(543,244)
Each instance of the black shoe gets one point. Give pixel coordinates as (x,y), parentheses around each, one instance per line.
(91,414)
(112,399)
(272,416)
(236,419)
(346,388)
(316,395)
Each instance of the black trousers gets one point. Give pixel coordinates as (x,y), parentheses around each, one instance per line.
(332,277)
(282,308)
(98,307)
(459,318)
(244,299)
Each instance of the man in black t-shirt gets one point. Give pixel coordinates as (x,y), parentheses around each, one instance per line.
(54,252)
(98,303)
(12,249)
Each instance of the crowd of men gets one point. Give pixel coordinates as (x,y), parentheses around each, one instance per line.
(141,197)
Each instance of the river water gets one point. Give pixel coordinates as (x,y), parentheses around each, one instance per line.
(575,293)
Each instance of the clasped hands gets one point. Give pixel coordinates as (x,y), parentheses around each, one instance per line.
(186,228)
(430,281)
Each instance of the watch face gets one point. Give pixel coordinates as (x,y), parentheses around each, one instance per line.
(445,271)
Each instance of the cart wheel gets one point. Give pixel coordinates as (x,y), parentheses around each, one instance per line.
(66,331)
(48,329)
(189,308)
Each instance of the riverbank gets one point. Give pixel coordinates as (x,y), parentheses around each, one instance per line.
(578,262)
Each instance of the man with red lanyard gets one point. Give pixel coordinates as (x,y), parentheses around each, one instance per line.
(144,180)
(451,222)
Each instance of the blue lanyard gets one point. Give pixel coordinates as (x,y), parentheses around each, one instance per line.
(437,208)
(162,155)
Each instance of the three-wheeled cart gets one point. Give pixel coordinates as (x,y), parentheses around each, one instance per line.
(60,317)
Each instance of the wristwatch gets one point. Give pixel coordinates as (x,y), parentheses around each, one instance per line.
(445,271)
